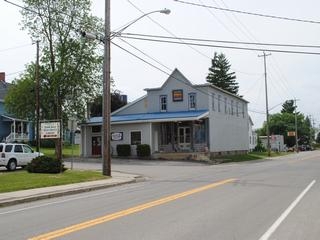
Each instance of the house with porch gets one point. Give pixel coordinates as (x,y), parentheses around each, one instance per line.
(11,129)
(177,118)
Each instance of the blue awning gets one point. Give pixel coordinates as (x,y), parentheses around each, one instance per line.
(152,117)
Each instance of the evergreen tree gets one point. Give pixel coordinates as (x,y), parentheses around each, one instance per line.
(220,76)
(288,107)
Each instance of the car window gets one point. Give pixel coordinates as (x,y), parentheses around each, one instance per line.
(18,149)
(27,149)
(1,148)
(8,148)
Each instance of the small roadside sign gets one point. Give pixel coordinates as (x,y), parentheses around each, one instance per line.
(291,133)
(50,130)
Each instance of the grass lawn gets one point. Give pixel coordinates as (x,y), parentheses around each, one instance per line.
(67,151)
(250,156)
(22,180)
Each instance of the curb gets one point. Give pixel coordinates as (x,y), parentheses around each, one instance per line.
(58,193)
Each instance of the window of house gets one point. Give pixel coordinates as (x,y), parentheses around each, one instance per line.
(225,105)
(96,129)
(135,138)
(219,103)
(237,109)
(232,111)
(192,101)
(243,110)
(163,103)
(213,101)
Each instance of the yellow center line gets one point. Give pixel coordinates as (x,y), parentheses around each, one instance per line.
(109,217)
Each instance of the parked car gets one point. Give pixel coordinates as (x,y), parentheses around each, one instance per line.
(13,155)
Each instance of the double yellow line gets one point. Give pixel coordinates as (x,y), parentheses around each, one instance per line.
(139,208)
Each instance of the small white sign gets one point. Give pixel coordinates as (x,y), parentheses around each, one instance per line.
(116,136)
(50,130)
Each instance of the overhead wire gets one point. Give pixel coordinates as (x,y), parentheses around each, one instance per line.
(250,13)
(222,41)
(221,22)
(274,64)
(222,46)
(145,54)
(16,47)
(174,35)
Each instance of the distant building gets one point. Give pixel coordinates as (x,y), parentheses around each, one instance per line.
(177,117)
(12,129)
(252,136)
(276,142)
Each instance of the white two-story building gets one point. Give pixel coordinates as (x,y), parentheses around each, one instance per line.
(175,118)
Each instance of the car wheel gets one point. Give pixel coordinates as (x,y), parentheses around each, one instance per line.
(12,165)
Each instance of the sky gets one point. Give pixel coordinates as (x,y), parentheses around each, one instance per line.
(289,75)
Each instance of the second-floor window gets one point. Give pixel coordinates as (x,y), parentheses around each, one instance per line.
(219,103)
(163,103)
(232,111)
(192,101)
(213,101)
(225,105)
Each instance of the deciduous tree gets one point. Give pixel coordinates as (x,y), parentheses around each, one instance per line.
(71,68)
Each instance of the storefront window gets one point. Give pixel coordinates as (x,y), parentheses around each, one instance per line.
(135,138)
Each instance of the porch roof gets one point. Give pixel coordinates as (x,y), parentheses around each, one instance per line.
(152,117)
(10,118)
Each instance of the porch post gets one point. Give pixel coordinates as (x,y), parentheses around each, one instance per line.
(172,136)
(14,130)
(21,133)
(192,135)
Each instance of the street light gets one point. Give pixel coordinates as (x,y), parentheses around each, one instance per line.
(113,34)
(118,32)
(106,106)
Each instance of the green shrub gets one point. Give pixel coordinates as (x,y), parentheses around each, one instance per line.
(259,147)
(123,150)
(143,150)
(45,143)
(44,164)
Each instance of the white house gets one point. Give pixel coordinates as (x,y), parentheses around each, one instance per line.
(174,118)
(252,136)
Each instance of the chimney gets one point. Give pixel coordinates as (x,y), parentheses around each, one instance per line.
(2,76)
(124,98)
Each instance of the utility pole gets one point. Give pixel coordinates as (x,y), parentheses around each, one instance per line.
(37,100)
(264,55)
(106,107)
(296,123)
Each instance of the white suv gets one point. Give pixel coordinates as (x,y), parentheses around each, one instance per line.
(16,154)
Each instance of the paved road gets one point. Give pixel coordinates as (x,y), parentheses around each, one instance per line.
(277,199)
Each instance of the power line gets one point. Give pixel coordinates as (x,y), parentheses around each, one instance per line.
(221,22)
(172,34)
(147,55)
(222,41)
(222,46)
(250,13)
(16,47)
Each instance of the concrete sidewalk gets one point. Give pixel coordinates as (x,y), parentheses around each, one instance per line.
(118,178)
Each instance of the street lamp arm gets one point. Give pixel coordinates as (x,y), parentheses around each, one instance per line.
(164,11)
(94,36)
